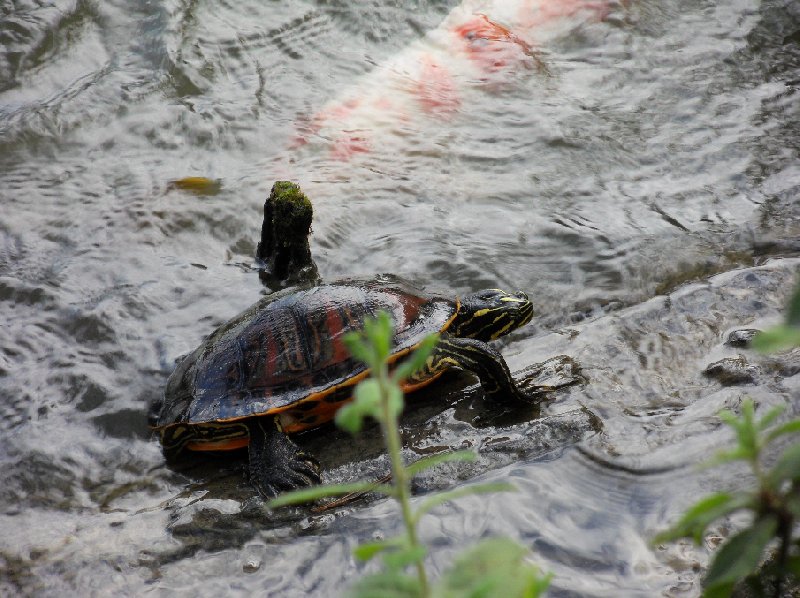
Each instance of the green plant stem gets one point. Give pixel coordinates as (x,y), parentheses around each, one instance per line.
(394,445)
(785,534)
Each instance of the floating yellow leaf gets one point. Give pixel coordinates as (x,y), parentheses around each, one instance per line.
(199,185)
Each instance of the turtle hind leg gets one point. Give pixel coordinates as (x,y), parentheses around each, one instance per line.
(276,463)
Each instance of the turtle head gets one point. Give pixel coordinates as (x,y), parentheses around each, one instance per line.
(487,315)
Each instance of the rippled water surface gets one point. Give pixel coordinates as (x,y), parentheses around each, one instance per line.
(633,166)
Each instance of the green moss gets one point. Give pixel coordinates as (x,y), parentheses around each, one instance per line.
(291,213)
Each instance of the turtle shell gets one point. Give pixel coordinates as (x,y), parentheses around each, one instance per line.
(286,356)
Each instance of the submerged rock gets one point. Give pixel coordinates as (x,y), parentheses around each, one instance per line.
(742,337)
(732,370)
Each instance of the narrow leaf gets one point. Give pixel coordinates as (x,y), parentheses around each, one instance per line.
(433,460)
(787,467)
(359,348)
(793,565)
(719,591)
(388,584)
(744,426)
(777,338)
(793,504)
(494,567)
(766,421)
(365,552)
(741,554)
(378,331)
(350,418)
(199,185)
(793,313)
(305,495)
(730,418)
(694,522)
(791,427)
(737,454)
(414,362)
(403,557)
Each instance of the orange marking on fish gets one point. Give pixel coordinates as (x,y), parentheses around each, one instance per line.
(436,89)
(346,146)
(492,46)
(538,12)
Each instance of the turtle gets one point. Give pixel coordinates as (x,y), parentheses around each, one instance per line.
(281,367)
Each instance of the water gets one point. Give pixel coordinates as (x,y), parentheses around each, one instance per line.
(657,149)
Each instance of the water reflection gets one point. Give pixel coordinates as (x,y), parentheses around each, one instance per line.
(657,148)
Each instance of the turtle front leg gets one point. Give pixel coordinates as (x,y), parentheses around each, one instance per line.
(484,361)
(276,463)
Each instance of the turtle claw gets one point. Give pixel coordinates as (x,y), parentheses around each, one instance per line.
(303,471)
(300,472)
(276,463)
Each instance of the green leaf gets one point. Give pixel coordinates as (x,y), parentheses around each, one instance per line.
(416,360)
(349,418)
(777,338)
(433,460)
(388,584)
(787,467)
(730,418)
(766,421)
(793,503)
(793,565)
(405,556)
(365,552)
(493,567)
(365,403)
(378,331)
(443,497)
(305,495)
(694,522)
(719,591)
(793,313)
(741,554)
(367,396)
(737,454)
(359,348)
(745,427)
(791,427)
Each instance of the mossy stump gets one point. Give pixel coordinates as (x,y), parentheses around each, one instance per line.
(284,248)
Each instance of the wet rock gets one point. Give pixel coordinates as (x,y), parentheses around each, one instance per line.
(556,372)
(498,447)
(741,338)
(731,371)
(785,364)
(251,566)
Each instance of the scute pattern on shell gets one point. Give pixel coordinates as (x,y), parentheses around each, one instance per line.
(287,354)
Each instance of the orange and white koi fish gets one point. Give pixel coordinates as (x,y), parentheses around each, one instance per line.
(480,43)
